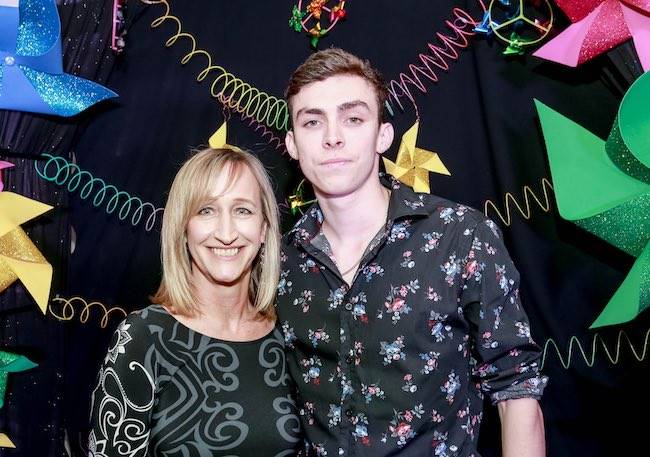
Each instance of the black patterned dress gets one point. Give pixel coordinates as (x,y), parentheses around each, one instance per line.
(166,390)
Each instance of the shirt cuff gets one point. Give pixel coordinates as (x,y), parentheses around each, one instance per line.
(529,388)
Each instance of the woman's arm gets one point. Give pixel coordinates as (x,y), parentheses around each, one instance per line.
(124,396)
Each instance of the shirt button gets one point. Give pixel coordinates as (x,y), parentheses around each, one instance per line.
(10,60)
(349,412)
(349,358)
(348,306)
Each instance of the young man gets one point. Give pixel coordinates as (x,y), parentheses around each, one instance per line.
(400,310)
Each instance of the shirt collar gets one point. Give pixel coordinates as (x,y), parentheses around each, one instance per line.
(403,203)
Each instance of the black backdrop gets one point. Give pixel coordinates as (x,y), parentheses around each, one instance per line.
(479,117)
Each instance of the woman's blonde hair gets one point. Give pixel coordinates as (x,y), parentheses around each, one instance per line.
(188,192)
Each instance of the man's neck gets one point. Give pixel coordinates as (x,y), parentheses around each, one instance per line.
(352,218)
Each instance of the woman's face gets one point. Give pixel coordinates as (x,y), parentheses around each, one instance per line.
(225,234)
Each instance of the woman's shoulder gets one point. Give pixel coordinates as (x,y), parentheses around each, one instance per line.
(132,339)
(147,319)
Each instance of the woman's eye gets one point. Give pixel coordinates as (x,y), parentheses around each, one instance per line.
(243,211)
(205,211)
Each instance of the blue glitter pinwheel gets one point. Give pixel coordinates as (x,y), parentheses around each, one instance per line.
(31,65)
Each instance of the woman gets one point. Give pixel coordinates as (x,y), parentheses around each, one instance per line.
(201,372)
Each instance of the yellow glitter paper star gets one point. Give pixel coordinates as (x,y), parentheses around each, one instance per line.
(19,258)
(219,139)
(412,164)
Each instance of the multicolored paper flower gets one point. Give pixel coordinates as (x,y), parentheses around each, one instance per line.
(309,20)
(31,66)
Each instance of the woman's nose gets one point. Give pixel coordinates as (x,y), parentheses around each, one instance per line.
(225,230)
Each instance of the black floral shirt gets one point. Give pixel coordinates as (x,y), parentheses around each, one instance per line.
(398,362)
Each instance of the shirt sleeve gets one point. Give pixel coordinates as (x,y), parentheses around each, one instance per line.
(124,397)
(507,357)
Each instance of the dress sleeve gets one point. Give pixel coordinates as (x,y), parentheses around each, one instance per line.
(124,396)
(507,357)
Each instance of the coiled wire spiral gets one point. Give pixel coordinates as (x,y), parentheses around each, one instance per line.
(64,173)
(525,208)
(239,95)
(612,354)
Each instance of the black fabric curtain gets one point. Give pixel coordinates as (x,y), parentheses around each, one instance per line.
(35,409)
(479,116)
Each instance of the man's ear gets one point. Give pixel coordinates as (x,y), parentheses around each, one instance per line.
(291,145)
(385,137)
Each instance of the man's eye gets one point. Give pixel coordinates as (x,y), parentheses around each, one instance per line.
(355,120)
(311,123)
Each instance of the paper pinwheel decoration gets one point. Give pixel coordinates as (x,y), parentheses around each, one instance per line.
(19,258)
(516,23)
(219,139)
(412,164)
(297,201)
(4,165)
(5,441)
(10,363)
(31,66)
(598,26)
(604,188)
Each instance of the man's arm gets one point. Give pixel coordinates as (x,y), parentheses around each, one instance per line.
(522,428)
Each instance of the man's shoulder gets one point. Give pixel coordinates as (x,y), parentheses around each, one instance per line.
(450,213)
(288,240)
(305,227)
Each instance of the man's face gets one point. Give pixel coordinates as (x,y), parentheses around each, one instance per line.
(336,136)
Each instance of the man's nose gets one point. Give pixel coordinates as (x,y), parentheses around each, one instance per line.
(333,136)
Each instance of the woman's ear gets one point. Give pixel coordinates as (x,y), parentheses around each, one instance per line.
(264,230)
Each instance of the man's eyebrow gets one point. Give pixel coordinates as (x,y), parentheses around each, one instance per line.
(353,104)
(316,111)
(342,107)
